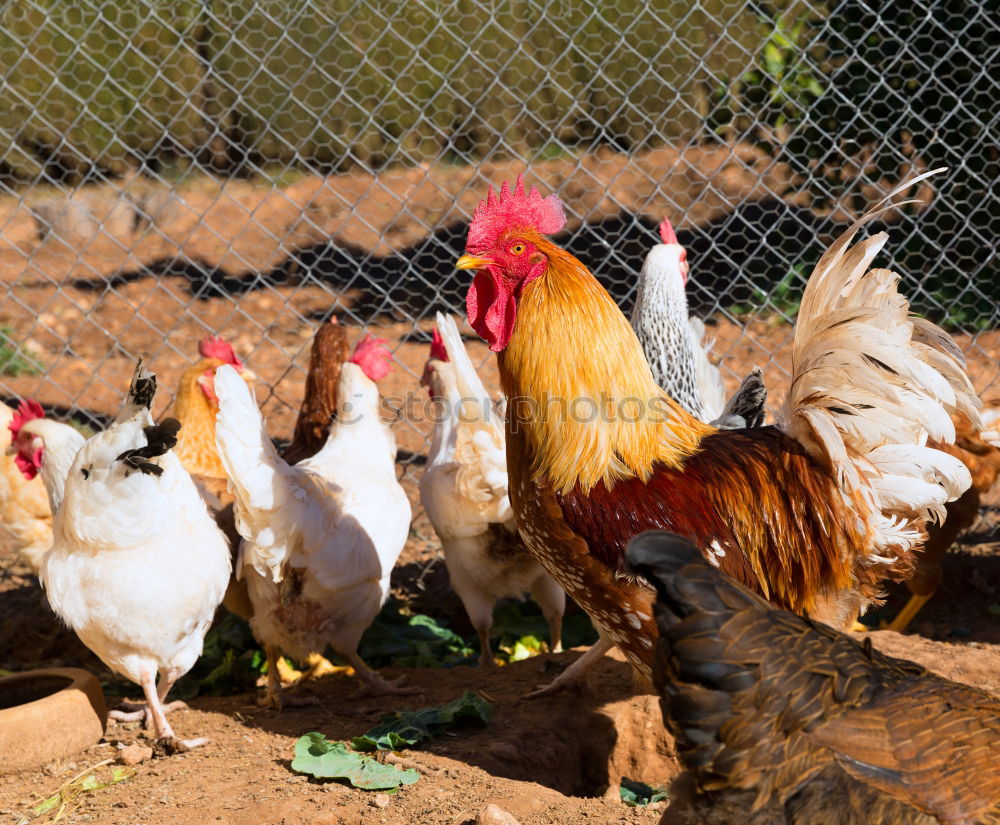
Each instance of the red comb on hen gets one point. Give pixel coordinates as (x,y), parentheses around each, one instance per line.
(215,346)
(506,209)
(438,350)
(667,234)
(27,410)
(373,356)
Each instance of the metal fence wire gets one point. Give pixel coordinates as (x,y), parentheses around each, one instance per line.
(247,168)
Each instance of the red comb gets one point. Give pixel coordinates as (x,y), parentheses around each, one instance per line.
(438,350)
(373,356)
(500,212)
(667,234)
(214,346)
(27,410)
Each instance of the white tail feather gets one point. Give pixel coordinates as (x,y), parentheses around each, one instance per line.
(480,445)
(870,384)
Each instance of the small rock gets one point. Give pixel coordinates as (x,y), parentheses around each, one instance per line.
(381,800)
(495,815)
(134,754)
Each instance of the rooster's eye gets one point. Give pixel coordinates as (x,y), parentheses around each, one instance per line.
(517,249)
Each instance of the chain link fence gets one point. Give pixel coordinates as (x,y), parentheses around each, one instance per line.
(248,168)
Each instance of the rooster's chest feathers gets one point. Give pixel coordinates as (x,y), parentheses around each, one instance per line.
(620,607)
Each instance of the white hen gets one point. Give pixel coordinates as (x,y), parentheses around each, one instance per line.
(319,538)
(464,491)
(137,565)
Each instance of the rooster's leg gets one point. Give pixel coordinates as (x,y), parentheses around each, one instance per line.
(551,598)
(374,684)
(912,607)
(574,677)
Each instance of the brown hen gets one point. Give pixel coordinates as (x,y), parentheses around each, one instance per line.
(782,721)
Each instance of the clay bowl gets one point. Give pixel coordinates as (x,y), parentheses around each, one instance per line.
(48,714)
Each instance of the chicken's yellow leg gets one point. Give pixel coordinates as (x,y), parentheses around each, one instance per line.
(906,615)
(320,666)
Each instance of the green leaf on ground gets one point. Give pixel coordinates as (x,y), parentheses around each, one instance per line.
(318,757)
(403,728)
(639,794)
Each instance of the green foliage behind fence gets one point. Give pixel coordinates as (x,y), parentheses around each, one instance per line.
(336,83)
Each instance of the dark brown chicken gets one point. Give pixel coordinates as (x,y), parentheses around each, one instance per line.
(330,350)
(782,721)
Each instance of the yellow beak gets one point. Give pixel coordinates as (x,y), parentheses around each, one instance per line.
(472,262)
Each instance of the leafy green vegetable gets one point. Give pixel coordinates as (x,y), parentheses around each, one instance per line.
(408,727)
(993,610)
(231,662)
(639,794)
(316,756)
(411,641)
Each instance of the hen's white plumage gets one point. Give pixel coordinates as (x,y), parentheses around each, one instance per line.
(319,538)
(464,491)
(137,566)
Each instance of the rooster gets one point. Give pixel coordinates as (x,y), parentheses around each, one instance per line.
(319,538)
(675,347)
(137,565)
(464,491)
(813,515)
(782,721)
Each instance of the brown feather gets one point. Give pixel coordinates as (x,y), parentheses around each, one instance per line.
(802,722)
(330,349)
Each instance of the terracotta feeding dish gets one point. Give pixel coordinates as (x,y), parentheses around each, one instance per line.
(48,714)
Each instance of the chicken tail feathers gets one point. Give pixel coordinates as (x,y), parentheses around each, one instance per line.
(247,453)
(160,439)
(746,407)
(870,385)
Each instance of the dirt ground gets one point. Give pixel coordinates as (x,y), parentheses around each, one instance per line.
(82,309)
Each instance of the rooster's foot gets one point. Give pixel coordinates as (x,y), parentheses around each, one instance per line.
(564,683)
(375,685)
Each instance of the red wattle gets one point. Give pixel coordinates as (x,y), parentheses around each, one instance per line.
(491,308)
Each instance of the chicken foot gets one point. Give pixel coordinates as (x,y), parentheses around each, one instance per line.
(275,695)
(375,684)
(141,712)
(574,678)
(164,734)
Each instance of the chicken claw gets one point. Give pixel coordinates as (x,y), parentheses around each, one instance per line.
(142,711)
(574,678)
